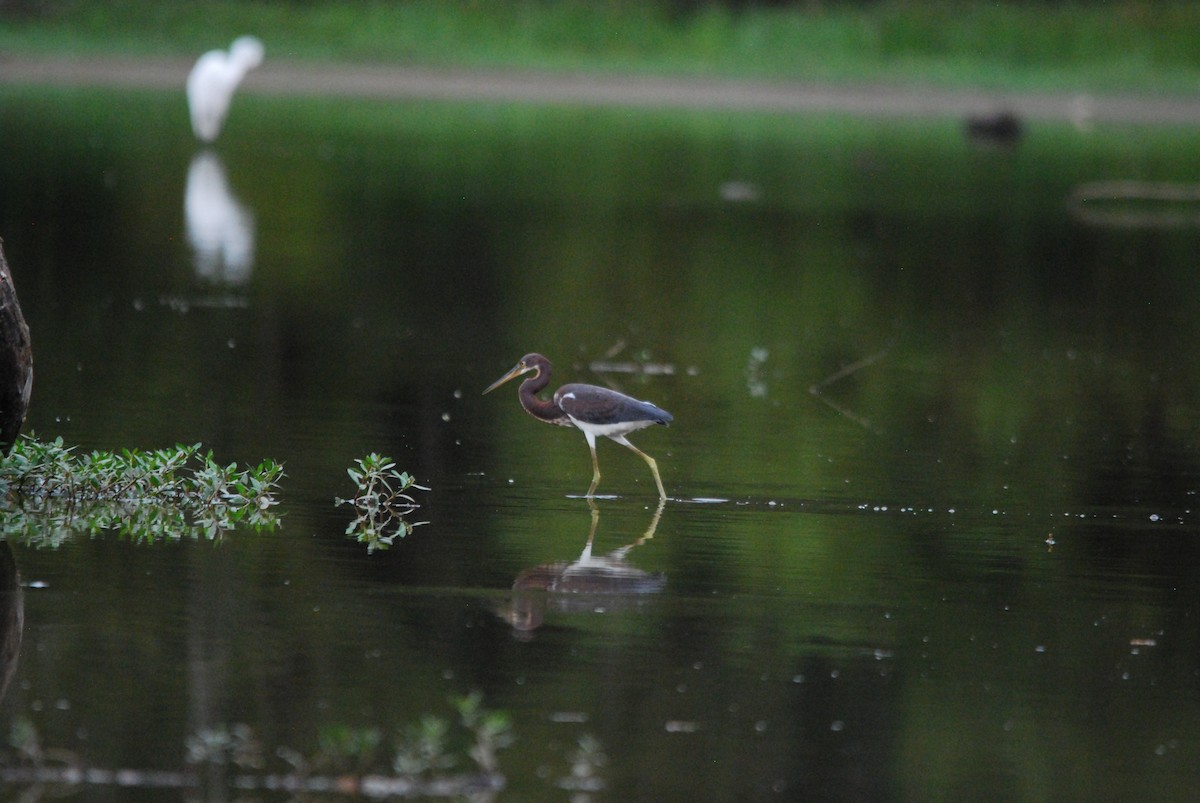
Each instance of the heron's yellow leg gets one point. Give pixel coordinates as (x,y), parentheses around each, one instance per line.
(650,462)
(646,536)
(595,472)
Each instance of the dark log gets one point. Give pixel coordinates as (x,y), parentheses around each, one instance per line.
(16,360)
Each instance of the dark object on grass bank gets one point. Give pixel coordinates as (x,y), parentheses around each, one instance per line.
(16,360)
(997,128)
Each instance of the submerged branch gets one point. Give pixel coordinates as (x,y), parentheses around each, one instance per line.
(843,372)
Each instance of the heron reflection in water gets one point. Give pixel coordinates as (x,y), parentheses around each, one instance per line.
(595,411)
(220,228)
(585,584)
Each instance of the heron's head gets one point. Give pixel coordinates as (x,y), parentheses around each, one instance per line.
(530,362)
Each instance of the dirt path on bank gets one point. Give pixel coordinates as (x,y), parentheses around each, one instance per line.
(280,77)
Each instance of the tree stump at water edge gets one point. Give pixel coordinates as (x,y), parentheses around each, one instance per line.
(16,360)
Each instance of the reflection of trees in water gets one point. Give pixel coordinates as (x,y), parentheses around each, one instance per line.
(221,757)
(16,382)
(1143,474)
(12,616)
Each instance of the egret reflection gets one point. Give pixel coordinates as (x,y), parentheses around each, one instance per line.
(584,585)
(220,228)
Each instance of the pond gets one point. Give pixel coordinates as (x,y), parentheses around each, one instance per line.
(932,475)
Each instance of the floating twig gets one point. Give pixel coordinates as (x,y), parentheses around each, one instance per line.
(842,373)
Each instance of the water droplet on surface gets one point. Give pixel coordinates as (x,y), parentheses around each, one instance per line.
(680,726)
(569,717)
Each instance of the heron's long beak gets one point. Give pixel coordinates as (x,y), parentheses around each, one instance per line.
(517,370)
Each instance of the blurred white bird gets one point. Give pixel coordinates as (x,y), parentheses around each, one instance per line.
(212,81)
(220,228)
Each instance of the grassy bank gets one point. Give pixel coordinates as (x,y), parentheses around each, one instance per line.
(1120,45)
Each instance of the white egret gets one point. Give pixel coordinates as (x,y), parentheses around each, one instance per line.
(211,83)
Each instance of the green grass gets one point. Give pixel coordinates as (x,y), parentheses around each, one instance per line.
(1122,45)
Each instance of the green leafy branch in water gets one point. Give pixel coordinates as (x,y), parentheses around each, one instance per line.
(51,492)
(380,502)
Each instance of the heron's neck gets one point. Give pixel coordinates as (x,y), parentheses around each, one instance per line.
(539,408)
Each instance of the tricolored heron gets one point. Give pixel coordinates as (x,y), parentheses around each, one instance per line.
(595,411)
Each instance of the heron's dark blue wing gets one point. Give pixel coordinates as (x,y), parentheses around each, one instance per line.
(604,407)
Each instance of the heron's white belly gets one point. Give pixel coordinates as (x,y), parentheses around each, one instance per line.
(609,430)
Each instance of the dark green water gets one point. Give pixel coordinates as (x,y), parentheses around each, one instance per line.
(969,570)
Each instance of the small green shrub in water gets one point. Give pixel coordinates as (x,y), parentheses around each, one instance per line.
(380,502)
(50,492)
